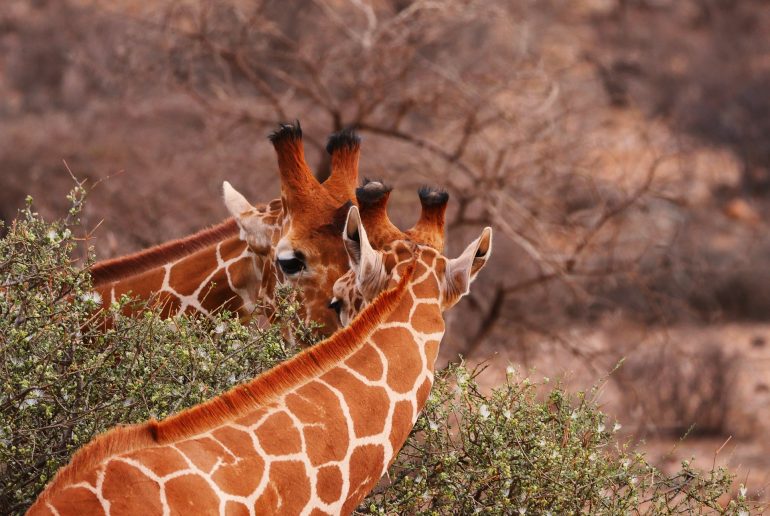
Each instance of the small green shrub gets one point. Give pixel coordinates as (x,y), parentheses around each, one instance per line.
(65,376)
(515,451)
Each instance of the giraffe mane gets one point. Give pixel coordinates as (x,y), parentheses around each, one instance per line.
(239,400)
(107,271)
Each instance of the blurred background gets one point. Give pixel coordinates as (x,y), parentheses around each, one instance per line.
(619,148)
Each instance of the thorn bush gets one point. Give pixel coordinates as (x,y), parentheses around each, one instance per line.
(530,448)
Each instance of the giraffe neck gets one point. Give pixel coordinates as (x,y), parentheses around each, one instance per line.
(224,275)
(334,418)
(108,271)
(209,271)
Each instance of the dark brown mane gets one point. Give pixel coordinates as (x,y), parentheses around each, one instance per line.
(239,400)
(107,271)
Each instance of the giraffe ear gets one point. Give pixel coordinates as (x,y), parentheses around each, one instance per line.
(236,203)
(461,271)
(364,260)
(254,231)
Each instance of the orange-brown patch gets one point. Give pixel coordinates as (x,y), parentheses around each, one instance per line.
(241,477)
(142,285)
(190,494)
(278,435)
(237,441)
(169,304)
(90,477)
(231,248)
(366,464)
(389,262)
(368,405)
(203,452)
(161,461)
(236,509)
(319,512)
(402,312)
(431,352)
(329,485)
(404,252)
(217,292)
(428,258)
(72,502)
(366,361)
(185,275)
(288,491)
(420,269)
(243,274)
(314,404)
(269,501)
(427,288)
(402,425)
(422,394)
(124,485)
(404,360)
(440,267)
(268,278)
(427,318)
(252,418)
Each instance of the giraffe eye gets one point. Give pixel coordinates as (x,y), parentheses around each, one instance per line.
(336,305)
(291,265)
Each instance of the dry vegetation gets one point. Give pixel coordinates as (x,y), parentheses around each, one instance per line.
(618,147)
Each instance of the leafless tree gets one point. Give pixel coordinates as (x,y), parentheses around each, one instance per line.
(448,92)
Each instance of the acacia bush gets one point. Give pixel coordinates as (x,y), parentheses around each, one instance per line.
(65,376)
(529,448)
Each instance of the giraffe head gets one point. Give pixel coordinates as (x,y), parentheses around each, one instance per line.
(372,270)
(306,252)
(372,197)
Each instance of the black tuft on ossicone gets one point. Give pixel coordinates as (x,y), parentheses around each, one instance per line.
(345,139)
(286,132)
(371,191)
(430,196)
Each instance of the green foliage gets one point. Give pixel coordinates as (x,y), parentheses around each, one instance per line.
(532,449)
(68,372)
(66,375)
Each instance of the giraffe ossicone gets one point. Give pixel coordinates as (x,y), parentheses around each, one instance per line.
(313,435)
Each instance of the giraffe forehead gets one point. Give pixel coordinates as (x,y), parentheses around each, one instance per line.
(324,250)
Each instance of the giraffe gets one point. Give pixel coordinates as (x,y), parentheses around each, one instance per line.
(233,265)
(311,436)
